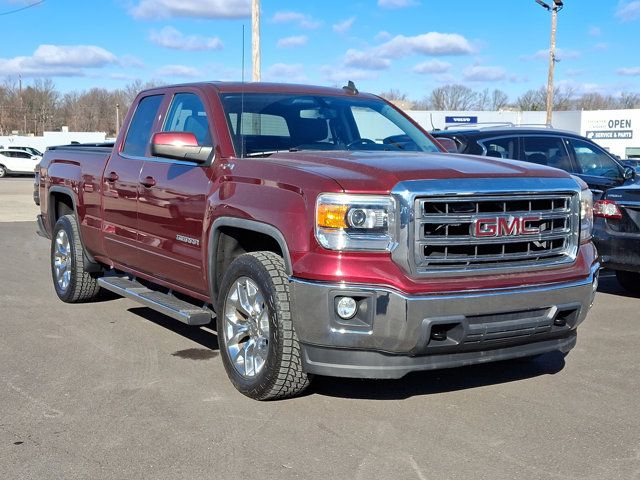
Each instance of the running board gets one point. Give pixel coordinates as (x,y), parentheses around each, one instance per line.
(164,303)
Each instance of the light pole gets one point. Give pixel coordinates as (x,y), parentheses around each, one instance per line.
(117,118)
(554,9)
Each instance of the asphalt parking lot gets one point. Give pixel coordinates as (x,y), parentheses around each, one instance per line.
(114,390)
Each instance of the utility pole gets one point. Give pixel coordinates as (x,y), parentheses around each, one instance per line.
(255,39)
(117,118)
(554,9)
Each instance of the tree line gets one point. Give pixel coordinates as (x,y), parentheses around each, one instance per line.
(40,107)
(461,97)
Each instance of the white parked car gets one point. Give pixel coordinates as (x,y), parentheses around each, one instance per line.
(31,150)
(17,161)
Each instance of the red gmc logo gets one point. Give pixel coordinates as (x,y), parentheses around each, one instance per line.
(504,226)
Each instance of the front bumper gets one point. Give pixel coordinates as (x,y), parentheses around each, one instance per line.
(393,334)
(618,251)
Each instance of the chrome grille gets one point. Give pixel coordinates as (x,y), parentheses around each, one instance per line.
(457,233)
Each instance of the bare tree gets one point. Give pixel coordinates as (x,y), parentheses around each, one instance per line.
(499,100)
(595,101)
(629,100)
(453,97)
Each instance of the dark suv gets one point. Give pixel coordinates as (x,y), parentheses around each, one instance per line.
(545,146)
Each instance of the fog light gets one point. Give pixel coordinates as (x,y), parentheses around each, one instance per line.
(346,308)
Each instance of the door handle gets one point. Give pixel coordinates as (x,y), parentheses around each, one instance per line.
(148,182)
(112,177)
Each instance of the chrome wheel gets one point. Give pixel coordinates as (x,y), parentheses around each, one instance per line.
(62,260)
(246,327)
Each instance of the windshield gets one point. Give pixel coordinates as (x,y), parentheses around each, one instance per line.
(272,123)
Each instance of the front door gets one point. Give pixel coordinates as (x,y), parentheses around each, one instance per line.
(173,200)
(121,183)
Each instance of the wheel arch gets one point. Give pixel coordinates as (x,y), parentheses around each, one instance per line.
(62,201)
(226,243)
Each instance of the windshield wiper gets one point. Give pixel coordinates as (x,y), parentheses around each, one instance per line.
(265,153)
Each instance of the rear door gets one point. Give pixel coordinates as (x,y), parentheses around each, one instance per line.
(173,201)
(121,182)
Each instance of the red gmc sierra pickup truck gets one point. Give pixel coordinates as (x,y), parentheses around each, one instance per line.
(323,231)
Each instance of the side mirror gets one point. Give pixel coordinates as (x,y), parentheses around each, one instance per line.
(448,144)
(179,146)
(629,173)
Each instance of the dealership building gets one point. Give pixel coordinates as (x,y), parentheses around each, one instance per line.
(618,131)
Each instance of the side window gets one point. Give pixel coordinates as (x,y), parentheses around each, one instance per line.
(23,155)
(139,133)
(548,151)
(502,147)
(593,161)
(187,114)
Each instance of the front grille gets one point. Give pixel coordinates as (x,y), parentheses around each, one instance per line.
(494,232)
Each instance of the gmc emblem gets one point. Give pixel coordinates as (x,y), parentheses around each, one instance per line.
(504,226)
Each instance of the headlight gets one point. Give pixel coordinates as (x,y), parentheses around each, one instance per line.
(586,215)
(355,222)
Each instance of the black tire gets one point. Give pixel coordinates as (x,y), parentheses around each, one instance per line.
(3,171)
(281,375)
(81,286)
(630,281)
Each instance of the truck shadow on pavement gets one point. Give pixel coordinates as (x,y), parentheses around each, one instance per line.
(440,381)
(198,335)
(414,384)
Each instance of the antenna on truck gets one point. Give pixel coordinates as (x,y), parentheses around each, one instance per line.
(239,126)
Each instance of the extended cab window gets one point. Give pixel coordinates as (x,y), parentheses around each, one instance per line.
(548,151)
(139,133)
(593,161)
(187,114)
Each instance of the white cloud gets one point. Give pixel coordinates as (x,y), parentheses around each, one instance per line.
(151,9)
(73,55)
(303,20)
(286,72)
(383,36)
(178,71)
(58,60)
(172,38)
(341,75)
(595,31)
(397,3)
(628,11)
(478,73)
(432,66)
(344,27)
(629,71)
(432,43)
(294,41)
(365,60)
(601,46)
(130,61)
(561,54)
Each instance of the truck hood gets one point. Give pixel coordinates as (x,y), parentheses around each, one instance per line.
(369,171)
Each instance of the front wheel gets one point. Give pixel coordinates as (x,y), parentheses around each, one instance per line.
(630,281)
(258,344)
(72,283)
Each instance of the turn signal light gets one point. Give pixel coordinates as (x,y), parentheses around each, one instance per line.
(607,209)
(332,216)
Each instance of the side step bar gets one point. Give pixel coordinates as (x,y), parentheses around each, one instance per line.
(161,302)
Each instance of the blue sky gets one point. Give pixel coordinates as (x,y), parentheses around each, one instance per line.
(409,45)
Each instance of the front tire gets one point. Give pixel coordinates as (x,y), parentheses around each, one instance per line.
(630,281)
(71,282)
(258,344)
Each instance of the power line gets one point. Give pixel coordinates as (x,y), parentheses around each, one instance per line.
(22,8)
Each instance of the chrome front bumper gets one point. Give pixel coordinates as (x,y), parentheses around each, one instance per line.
(393,334)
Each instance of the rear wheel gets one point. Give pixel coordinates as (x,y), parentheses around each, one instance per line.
(72,283)
(630,281)
(3,171)
(258,344)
